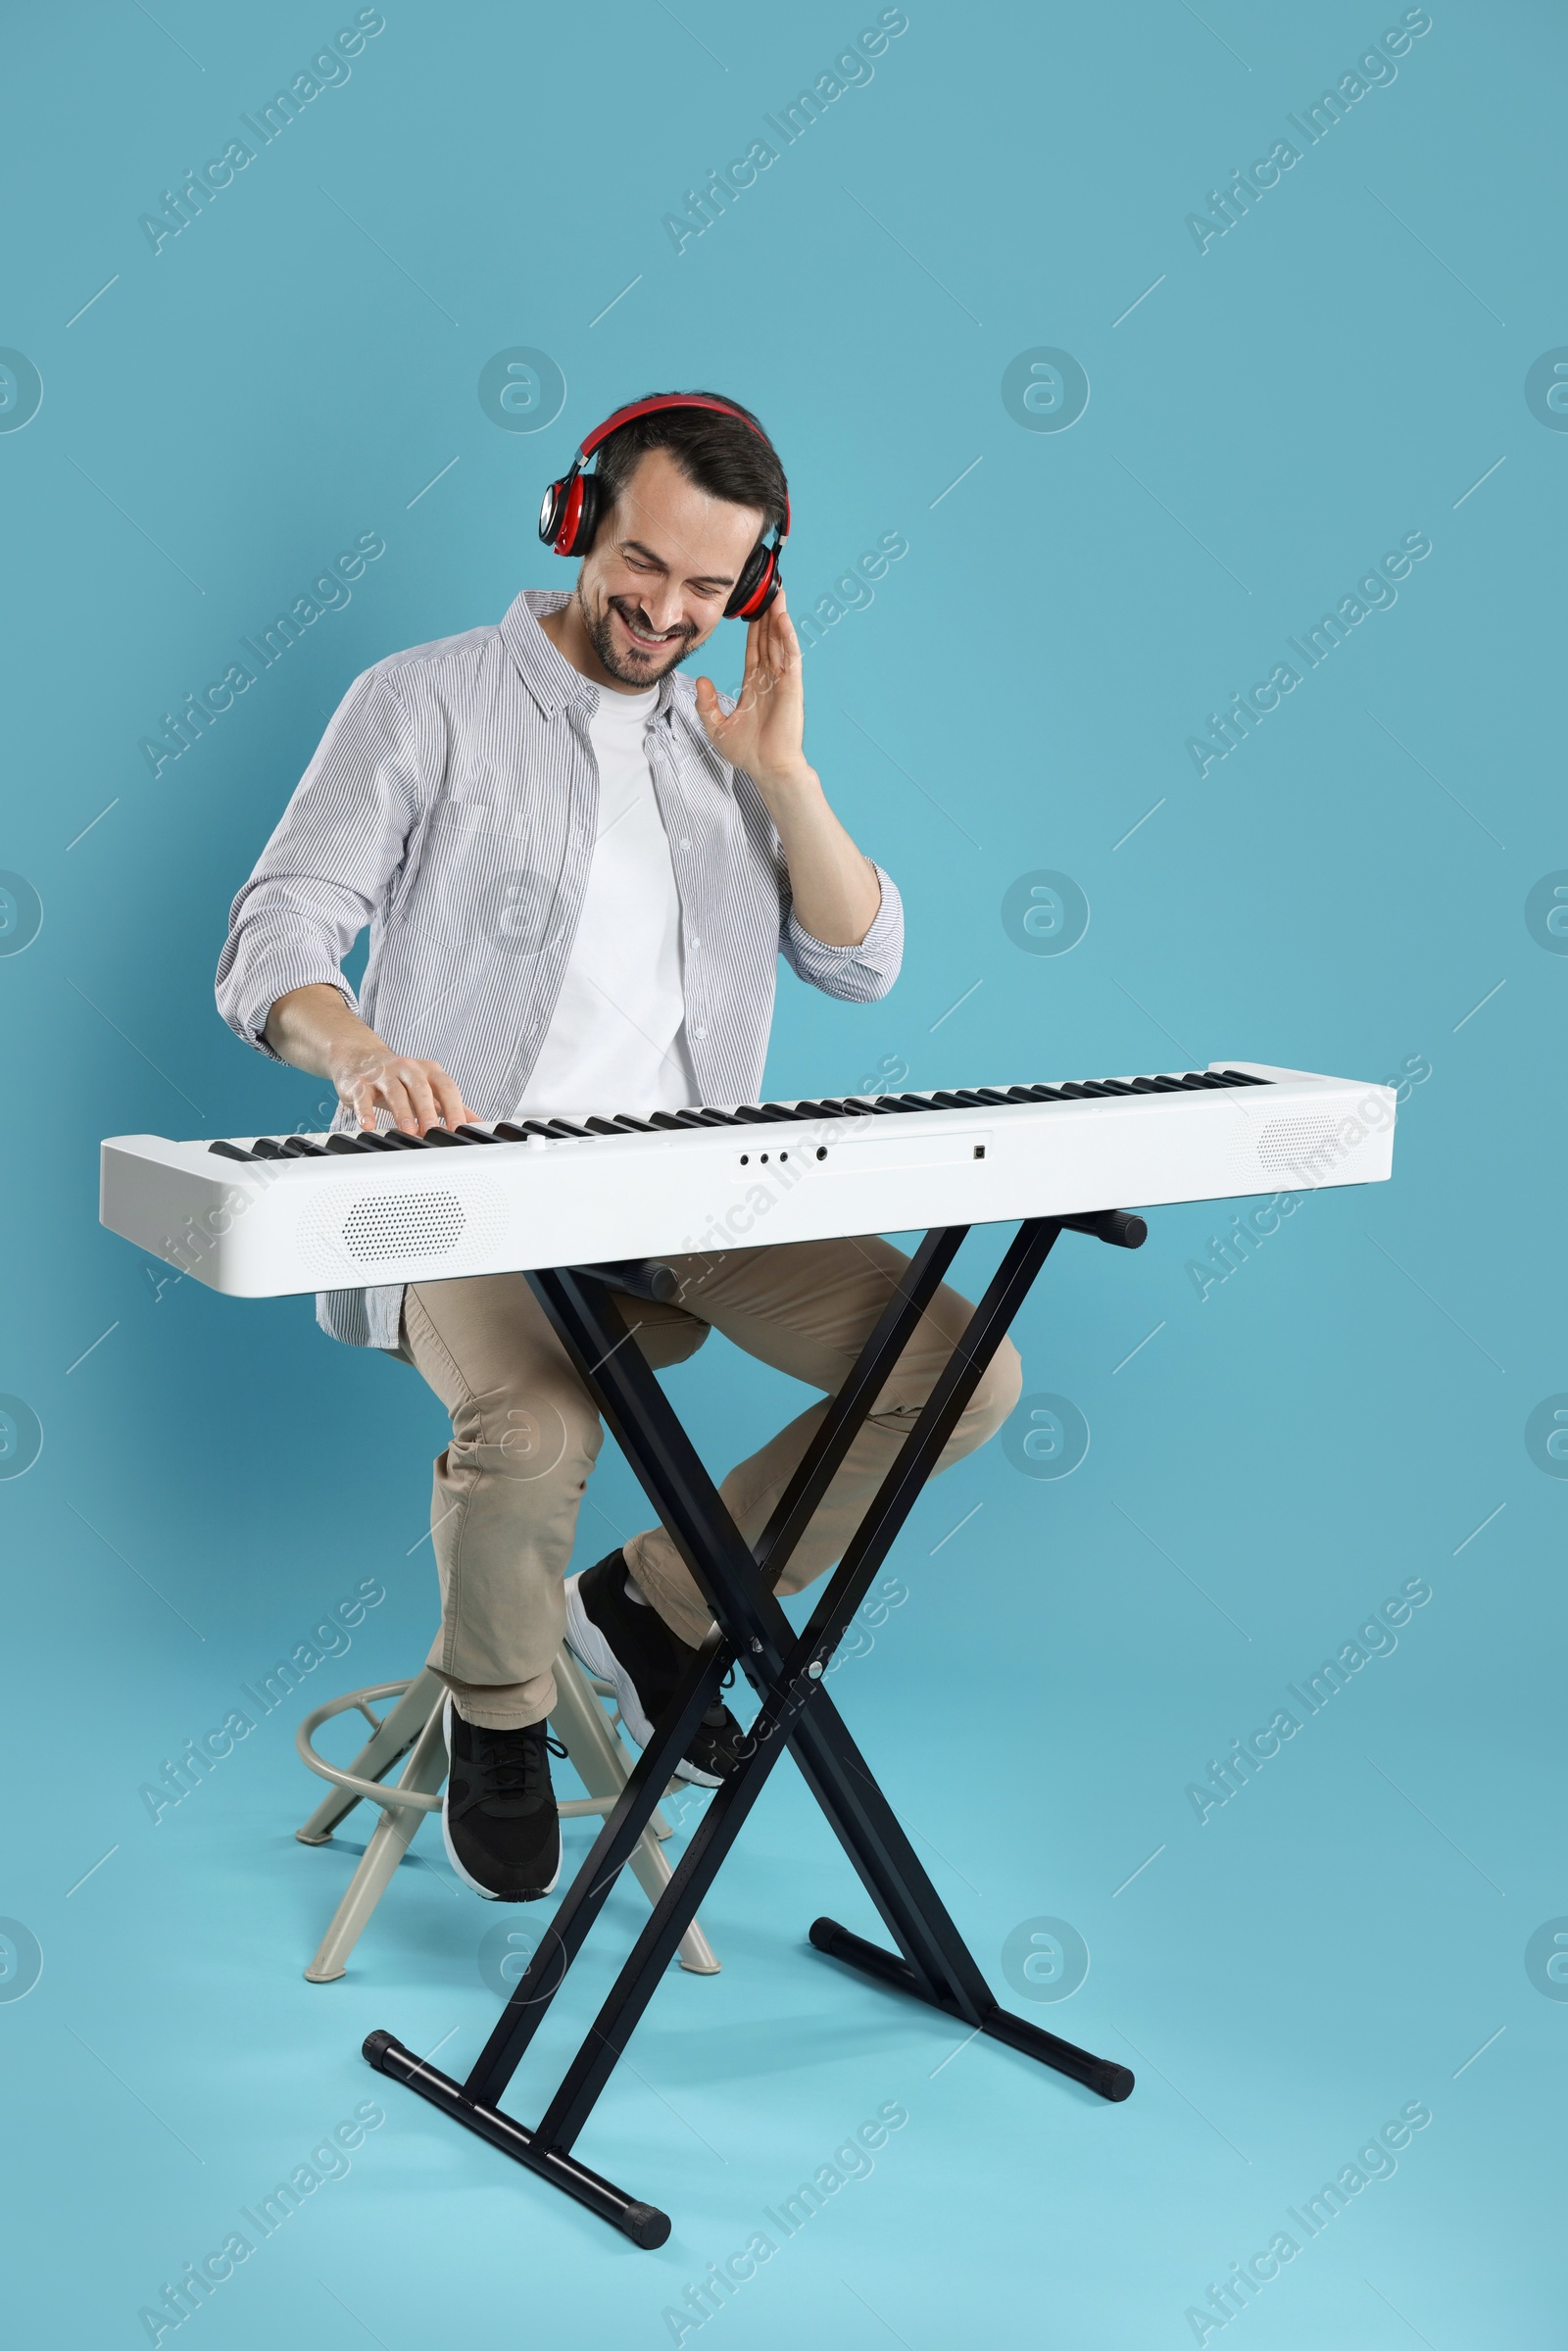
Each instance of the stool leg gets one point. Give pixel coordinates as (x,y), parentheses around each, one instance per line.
(424,1771)
(398,1732)
(600,1762)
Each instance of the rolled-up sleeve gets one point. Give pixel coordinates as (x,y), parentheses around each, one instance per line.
(859,974)
(326,870)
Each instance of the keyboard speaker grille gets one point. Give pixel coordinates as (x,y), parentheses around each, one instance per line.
(415,1224)
(1291,1145)
(353,1226)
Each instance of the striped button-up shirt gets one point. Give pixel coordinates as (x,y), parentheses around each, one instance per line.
(452,806)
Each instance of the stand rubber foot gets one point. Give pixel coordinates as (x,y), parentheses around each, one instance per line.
(644,2223)
(1102,2074)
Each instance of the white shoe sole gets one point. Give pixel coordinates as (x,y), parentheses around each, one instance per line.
(486,1893)
(591,1649)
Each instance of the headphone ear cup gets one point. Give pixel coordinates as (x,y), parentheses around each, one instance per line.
(585,515)
(570,514)
(551,510)
(756,587)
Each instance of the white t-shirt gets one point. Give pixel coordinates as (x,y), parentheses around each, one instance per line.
(616,1039)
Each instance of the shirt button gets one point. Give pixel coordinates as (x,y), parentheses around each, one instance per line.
(698,1033)
(685,845)
(696,942)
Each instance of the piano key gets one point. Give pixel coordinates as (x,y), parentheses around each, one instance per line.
(445,1137)
(400,1140)
(298,1147)
(863,1109)
(476,1134)
(633,1126)
(897,1102)
(231,1151)
(714,1119)
(341,1145)
(600,1126)
(752,1116)
(509,1132)
(780,1110)
(991,1094)
(667,1121)
(1243,1077)
(563,1126)
(1114,1086)
(266,1148)
(1074,1092)
(1156,1085)
(947,1100)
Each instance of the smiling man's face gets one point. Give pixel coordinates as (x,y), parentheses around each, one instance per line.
(663,564)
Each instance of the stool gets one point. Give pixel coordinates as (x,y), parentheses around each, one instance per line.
(415,1722)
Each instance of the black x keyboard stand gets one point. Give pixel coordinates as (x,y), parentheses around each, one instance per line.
(786,1670)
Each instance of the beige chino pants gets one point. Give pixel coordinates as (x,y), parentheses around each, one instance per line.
(526,1434)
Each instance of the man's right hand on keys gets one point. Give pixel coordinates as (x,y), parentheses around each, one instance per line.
(315,1029)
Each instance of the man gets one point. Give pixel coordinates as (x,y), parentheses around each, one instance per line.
(578,872)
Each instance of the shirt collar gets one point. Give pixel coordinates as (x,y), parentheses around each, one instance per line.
(548,675)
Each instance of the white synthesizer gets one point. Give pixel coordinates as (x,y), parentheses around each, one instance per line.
(272,1216)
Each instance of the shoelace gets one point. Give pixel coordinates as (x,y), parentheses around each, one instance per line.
(500,1768)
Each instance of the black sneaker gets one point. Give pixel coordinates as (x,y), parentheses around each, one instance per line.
(498,1817)
(628,1644)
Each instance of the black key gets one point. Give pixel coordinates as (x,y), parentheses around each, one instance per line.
(1245,1077)
(946,1102)
(600,1126)
(749,1115)
(1075,1093)
(400,1140)
(563,1126)
(633,1126)
(1096,1087)
(446,1138)
(1114,1086)
(713,1118)
(989,1094)
(860,1110)
(970,1096)
(669,1121)
(1029,1094)
(1156,1085)
(1206,1079)
(780,1110)
(520,1134)
(342,1144)
(476,1134)
(263,1147)
(231,1151)
(898,1101)
(297,1148)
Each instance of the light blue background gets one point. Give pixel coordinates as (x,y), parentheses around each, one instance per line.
(1340,894)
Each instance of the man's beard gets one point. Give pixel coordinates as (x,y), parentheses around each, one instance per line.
(601,636)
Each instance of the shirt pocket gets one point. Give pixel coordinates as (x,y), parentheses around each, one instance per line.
(485,884)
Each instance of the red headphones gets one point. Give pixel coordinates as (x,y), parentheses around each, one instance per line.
(572,507)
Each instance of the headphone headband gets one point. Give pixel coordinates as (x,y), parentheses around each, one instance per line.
(571,507)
